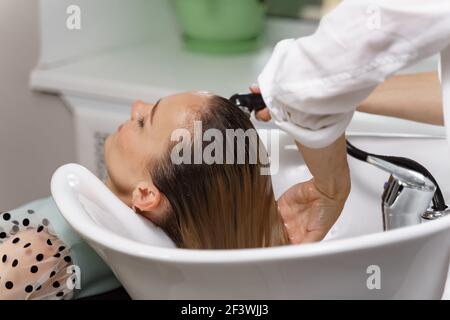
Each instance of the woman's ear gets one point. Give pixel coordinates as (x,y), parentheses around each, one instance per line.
(146,197)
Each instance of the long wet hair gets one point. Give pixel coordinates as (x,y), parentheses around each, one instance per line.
(219,206)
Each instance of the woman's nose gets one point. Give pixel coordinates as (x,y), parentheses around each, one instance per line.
(138,109)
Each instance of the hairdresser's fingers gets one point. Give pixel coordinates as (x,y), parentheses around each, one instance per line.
(263,115)
(322,215)
(254,89)
(307,213)
(313,236)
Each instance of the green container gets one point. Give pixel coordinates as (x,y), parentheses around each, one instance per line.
(221,26)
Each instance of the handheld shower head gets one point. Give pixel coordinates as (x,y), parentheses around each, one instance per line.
(248,102)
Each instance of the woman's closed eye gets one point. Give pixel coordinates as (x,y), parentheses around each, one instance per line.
(141,121)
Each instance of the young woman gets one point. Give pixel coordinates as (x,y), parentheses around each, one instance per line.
(199,205)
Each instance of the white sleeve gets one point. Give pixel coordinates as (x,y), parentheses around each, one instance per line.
(312,85)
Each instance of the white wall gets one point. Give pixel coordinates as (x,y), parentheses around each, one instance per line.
(105,24)
(36,133)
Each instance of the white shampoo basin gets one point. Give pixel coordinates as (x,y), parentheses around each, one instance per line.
(356,257)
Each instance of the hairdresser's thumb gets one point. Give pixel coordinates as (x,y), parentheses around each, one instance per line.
(263,114)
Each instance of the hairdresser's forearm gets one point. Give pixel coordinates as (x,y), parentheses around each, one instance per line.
(329,168)
(414,97)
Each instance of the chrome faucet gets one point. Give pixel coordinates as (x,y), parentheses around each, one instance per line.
(407,195)
(410,197)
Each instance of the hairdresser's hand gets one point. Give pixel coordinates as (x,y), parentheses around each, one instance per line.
(311,208)
(308,212)
(264,114)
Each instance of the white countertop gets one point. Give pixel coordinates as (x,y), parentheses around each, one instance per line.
(150,70)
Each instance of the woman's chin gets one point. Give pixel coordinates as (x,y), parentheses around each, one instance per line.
(107,143)
(107,148)
(108,183)
(106,158)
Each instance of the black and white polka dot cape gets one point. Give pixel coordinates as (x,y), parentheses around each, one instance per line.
(34,262)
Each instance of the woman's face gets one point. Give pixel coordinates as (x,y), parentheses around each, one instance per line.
(144,138)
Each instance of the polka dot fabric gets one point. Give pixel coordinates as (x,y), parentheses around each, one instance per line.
(34,263)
